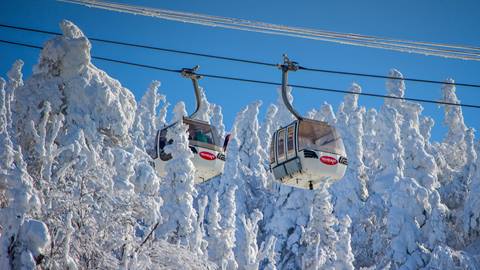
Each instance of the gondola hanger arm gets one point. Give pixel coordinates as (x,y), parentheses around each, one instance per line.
(190,73)
(287,66)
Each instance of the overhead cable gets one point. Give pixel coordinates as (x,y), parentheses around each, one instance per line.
(426,48)
(213,76)
(234,59)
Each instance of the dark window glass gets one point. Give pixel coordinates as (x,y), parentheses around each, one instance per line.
(281,145)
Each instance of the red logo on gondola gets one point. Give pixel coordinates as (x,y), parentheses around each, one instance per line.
(207,155)
(328,160)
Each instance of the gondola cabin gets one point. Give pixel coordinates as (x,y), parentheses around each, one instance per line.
(206,146)
(307,152)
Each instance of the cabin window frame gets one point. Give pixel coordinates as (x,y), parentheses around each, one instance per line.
(283,157)
(290,151)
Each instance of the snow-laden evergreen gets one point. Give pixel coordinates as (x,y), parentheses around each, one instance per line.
(217,120)
(78,189)
(178,189)
(146,121)
(323,242)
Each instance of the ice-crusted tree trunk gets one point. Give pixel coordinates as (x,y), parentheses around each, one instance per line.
(178,188)
(15,80)
(229,227)
(321,237)
(369,141)
(250,225)
(214,231)
(471,210)
(426,125)
(198,244)
(221,232)
(254,255)
(68,262)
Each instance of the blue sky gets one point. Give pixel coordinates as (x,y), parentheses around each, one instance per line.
(437,21)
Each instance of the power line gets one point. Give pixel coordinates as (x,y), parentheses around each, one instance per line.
(213,76)
(146,46)
(247,61)
(386,77)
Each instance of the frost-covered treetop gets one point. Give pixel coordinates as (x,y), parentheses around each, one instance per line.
(66,52)
(179,112)
(328,114)
(15,76)
(453,118)
(395,87)
(351,101)
(205,111)
(87,97)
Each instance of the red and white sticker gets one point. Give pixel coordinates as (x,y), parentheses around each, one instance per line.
(207,155)
(328,160)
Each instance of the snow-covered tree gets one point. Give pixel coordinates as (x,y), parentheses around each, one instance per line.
(215,237)
(15,80)
(228,224)
(288,210)
(370,142)
(444,257)
(283,116)
(23,238)
(205,111)
(254,255)
(246,169)
(217,120)
(350,126)
(471,211)
(145,126)
(322,240)
(454,141)
(178,188)
(266,132)
(197,243)
(77,190)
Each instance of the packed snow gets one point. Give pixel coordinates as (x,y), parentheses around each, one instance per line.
(78,190)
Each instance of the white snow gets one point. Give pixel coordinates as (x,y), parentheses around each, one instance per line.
(78,191)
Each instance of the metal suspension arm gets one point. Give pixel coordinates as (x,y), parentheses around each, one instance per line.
(286,67)
(189,73)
